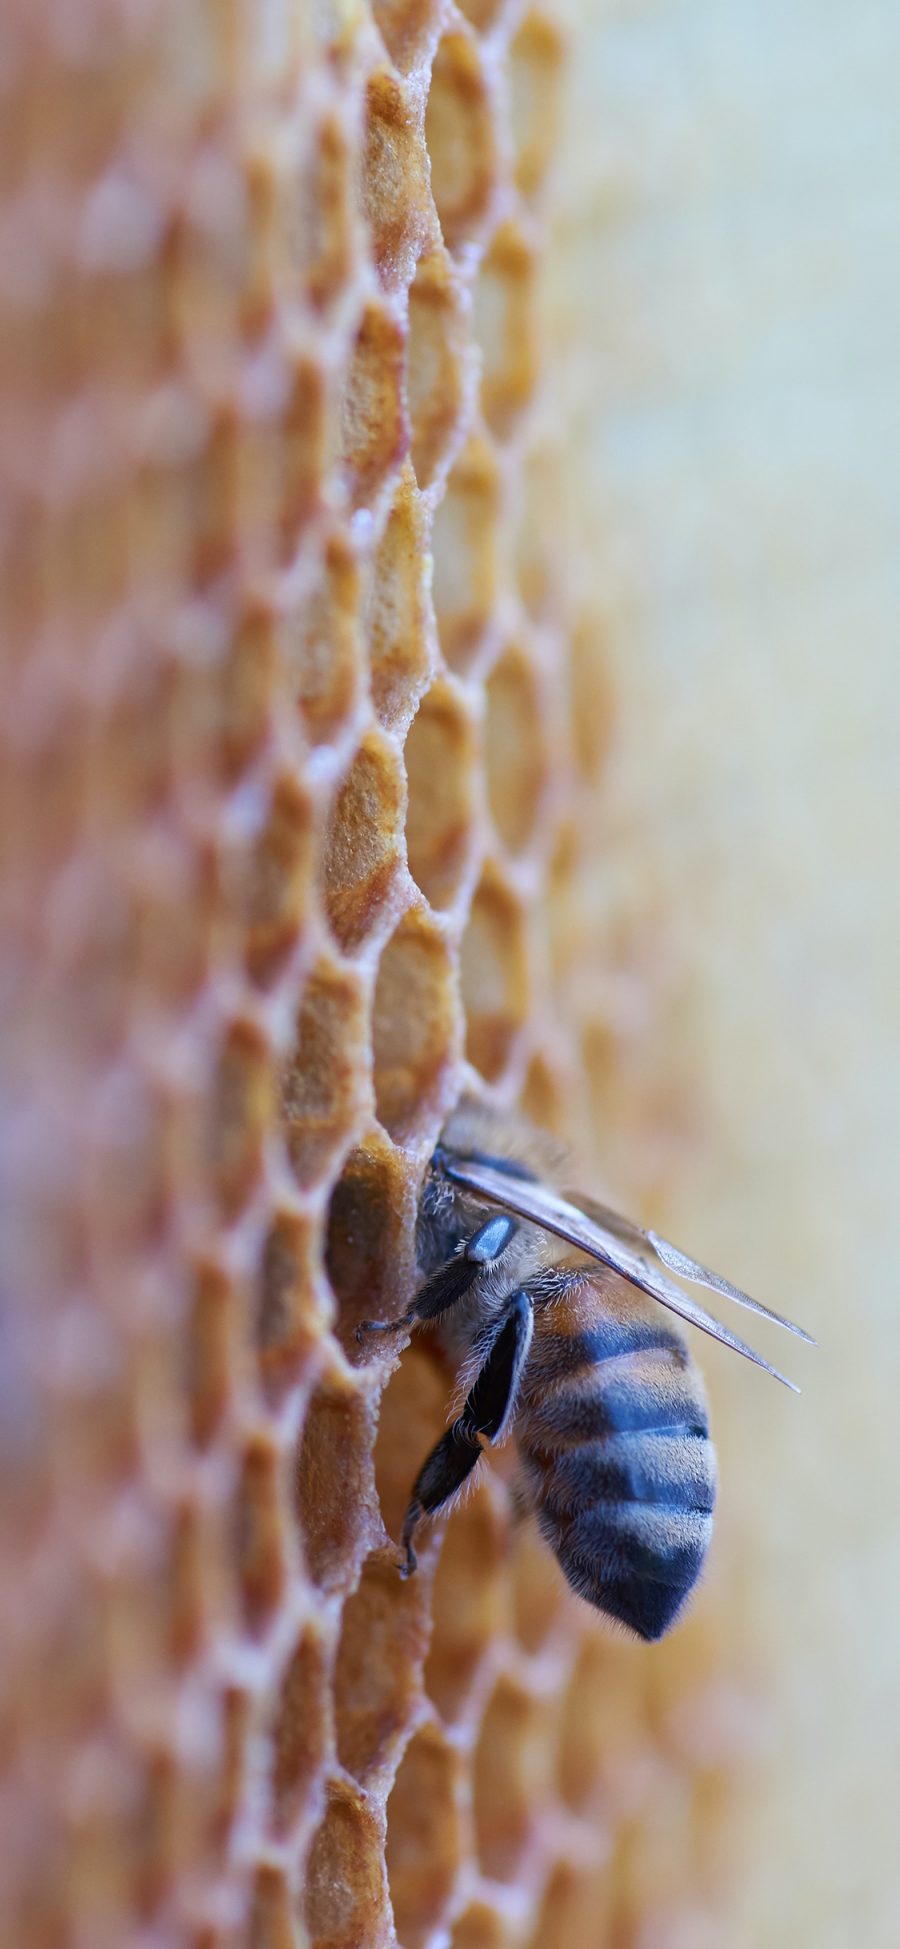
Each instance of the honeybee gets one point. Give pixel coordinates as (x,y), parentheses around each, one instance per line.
(544,1302)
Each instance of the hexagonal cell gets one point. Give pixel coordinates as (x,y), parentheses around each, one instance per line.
(424,1836)
(544,1096)
(459,133)
(321,643)
(395,190)
(436,350)
(512,1777)
(415,1028)
(481,1927)
(270,1924)
(384,1632)
(514,748)
(371,1237)
(471,1600)
(505,329)
(304,433)
(576,1906)
(241,1104)
(260,1535)
(290,1310)
(603,1735)
(345,1895)
(406,28)
(275,882)
(464,548)
(413,1416)
(327,212)
(535,61)
(302,1727)
(324,1086)
(592,700)
(362,852)
(441,818)
(494,976)
(176,897)
(336,1501)
(229,701)
(374,424)
(398,610)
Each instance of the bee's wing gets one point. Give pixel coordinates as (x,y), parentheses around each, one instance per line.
(679,1262)
(618,1245)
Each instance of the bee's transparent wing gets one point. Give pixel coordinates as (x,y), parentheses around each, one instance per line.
(604,1236)
(679,1262)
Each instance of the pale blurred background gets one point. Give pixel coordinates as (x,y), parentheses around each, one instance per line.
(725,310)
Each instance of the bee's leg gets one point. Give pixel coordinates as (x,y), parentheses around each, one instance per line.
(487,1410)
(452,1281)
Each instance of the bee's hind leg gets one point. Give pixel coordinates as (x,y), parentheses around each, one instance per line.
(487,1411)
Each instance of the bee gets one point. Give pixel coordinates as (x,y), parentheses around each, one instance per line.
(546,1304)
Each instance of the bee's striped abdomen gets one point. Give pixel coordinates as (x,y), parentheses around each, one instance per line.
(614,1436)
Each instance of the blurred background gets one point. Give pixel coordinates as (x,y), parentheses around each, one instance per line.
(725,312)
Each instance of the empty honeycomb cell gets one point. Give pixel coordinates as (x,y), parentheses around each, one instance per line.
(461,141)
(413,1416)
(544,1096)
(362,851)
(464,548)
(176,895)
(398,620)
(327,215)
(440,759)
(240,691)
(302,1729)
(321,646)
(481,1926)
(494,976)
(424,1836)
(336,1500)
(324,1082)
(369,1245)
(540,1597)
(505,329)
(414,1028)
(271,1923)
(277,878)
(240,1110)
(576,1907)
(396,195)
(471,1604)
(346,1902)
(374,424)
(436,355)
(304,433)
(290,1305)
(535,61)
(208,1351)
(515,750)
(603,1744)
(591,696)
(513,1777)
(259,1535)
(384,1631)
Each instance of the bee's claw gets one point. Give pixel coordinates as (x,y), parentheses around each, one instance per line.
(408,1563)
(377,1326)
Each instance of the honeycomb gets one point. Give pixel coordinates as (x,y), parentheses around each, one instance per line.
(296,720)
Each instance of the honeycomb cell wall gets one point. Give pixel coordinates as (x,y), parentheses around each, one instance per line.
(296,719)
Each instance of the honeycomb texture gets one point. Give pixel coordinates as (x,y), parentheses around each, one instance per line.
(295,725)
